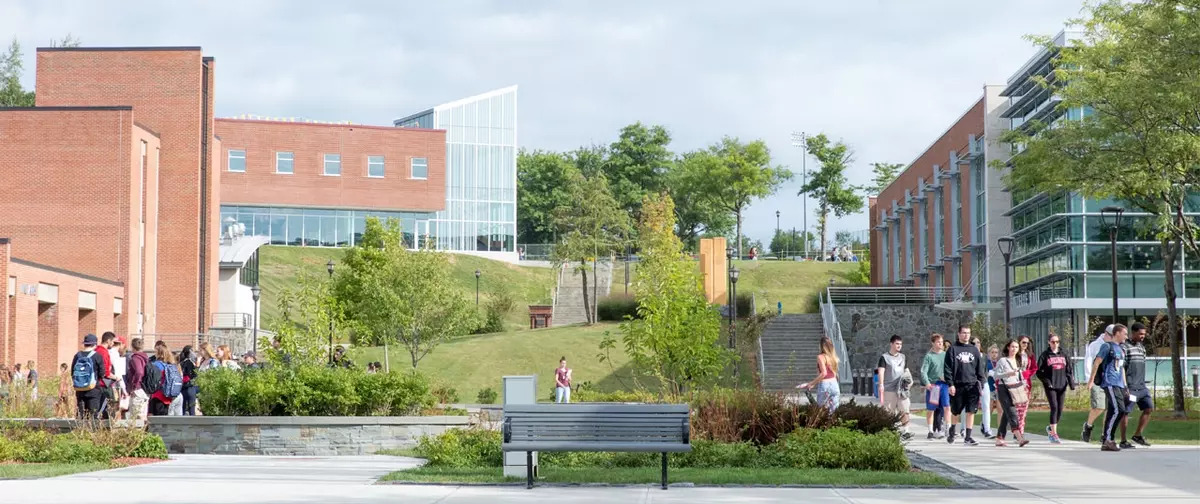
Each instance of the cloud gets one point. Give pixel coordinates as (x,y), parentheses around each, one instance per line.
(887,77)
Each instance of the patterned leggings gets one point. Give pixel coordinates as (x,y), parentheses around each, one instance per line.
(1022,409)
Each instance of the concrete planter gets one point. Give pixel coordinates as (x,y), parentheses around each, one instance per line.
(309,436)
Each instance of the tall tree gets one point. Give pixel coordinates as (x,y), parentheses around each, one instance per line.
(1134,83)
(882,175)
(591,225)
(696,213)
(12,94)
(394,295)
(828,185)
(637,164)
(542,180)
(736,174)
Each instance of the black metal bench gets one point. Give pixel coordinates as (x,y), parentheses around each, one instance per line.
(653,428)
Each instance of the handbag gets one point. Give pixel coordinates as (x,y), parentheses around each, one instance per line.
(1019,394)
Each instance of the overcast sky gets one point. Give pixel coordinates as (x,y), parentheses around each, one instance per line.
(885,76)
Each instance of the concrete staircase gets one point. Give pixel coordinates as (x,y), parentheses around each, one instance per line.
(790,344)
(568,305)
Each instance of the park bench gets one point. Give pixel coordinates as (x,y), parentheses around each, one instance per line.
(651,428)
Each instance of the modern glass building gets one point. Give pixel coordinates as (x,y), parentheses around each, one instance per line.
(481,173)
(1062,257)
(313,227)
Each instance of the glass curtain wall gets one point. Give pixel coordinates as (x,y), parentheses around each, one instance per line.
(317,227)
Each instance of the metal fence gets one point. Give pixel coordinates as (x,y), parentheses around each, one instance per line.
(239,341)
(232,320)
(834,331)
(892,295)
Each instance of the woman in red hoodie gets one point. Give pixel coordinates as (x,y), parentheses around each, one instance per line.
(1028,364)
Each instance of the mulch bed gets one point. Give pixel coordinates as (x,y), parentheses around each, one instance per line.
(133,461)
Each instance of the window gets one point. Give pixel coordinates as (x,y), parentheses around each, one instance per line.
(420,168)
(237,161)
(375,166)
(285,162)
(333,165)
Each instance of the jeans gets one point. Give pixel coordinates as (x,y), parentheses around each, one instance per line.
(1056,399)
(189,400)
(1008,417)
(829,394)
(562,394)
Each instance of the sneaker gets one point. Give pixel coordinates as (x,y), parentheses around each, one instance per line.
(930,436)
(1126,446)
(905,436)
(1049,433)
(987,434)
(1109,446)
(1086,435)
(967,441)
(1055,439)
(950,435)
(939,435)
(1140,440)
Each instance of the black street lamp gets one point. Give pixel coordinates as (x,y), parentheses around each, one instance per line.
(733,278)
(1110,216)
(729,283)
(329,268)
(477,273)
(1005,244)
(256,293)
(777,231)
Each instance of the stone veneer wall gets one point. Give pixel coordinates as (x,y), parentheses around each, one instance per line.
(866,330)
(308,436)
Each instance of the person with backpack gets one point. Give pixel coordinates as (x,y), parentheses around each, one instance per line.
(164,377)
(87,378)
(135,372)
(1109,372)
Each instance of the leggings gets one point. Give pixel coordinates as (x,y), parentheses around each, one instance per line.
(1008,417)
(1056,399)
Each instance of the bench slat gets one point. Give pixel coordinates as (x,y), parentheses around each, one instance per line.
(549,446)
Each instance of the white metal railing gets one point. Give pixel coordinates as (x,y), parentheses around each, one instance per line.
(892,295)
(762,367)
(232,320)
(834,331)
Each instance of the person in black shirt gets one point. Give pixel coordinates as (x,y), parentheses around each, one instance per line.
(90,401)
(187,366)
(966,372)
(1135,378)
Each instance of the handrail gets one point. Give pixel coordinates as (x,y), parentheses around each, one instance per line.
(230,320)
(893,295)
(834,331)
(762,367)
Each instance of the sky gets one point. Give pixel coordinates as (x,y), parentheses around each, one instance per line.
(886,77)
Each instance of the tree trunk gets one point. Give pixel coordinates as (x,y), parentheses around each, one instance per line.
(824,223)
(738,215)
(413,353)
(387,365)
(586,305)
(1170,250)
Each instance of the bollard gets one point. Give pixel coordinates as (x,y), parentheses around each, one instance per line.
(1195,381)
(854,382)
(858,381)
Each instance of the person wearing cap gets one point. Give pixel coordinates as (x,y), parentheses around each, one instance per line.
(1095,390)
(250,361)
(91,401)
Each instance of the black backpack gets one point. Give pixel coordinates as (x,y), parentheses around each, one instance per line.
(152,380)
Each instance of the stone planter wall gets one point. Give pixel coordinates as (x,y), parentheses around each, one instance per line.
(310,436)
(866,330)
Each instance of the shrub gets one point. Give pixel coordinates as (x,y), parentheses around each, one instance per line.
(588,394)
(499,304)
(707,453)
(312,391)
(462,448)
(486,396)
(68,449)
(743,416)
(839,448)
(445,394)
(744,305)
(11,450)
(867,418)
(617,308)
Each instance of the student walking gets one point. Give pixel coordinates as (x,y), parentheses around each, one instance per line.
(1135,377)
(1027,361)
(1011,391)
(32,380)
(165,373)
(562,382)
(1109,370)
(1095,391)
(87,377)
(964,371)
(828,392)
(894,381)
(1055,371)
(993,401)
(937,391)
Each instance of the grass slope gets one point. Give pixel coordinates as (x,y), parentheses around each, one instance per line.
(644,475)
(34,471)
(1162,427)
(789,282)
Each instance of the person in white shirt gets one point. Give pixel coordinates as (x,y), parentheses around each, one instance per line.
(1096,392)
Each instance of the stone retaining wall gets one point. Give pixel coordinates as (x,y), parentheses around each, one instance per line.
(309,436)
(866,330)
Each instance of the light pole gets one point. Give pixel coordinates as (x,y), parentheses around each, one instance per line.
(801,140)
(729,284)
(733,278)
(777,255)
(255,292)
(329,268)
(1111,217)
(628,254)
(477,273)
(1006,247)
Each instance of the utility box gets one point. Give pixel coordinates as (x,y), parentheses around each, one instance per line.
(519,390)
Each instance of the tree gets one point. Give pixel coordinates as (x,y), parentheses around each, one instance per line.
(590,225)
(786,241)
(676,338)
(696,213)
(308,315)
(542,179)
(736,174)
(12,94)
(637,164)
(828,185)
(392,294)
(882,176)
(1135,83)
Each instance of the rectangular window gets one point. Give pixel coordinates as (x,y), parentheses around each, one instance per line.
(237,161)
(420,168)
(375,166)
(333,165)
(285,163)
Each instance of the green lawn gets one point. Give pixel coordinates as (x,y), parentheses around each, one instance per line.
(790,282)
(1161,429)
(644,475)
(33,471)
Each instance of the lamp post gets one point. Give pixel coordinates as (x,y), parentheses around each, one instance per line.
(256,293)
(1110,216)
(477,273)
(733,278)
(1006,247)
(729,283)
(329,268)
(777,232)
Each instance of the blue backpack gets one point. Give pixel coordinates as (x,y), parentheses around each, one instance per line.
(83,376)
(172,381)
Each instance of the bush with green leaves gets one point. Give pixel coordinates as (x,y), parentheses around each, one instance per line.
(499,304)
(617,308)
(461,448)
(487,396)
(445,394)
(85,445)
(312,391)
(839,448)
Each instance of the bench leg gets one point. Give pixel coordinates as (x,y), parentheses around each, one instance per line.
(664,470)
(528,469)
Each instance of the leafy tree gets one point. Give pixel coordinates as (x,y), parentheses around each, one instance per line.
(736,174)
(829,185)
(542,179)
(591,225)
(1136,82)
(696,213)
(882,175)
(637,164)
(308,315)
(12,94)
(392,294)
(676,338)
(787,240)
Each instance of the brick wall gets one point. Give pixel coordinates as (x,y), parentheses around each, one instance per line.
(308,186)
(164,85)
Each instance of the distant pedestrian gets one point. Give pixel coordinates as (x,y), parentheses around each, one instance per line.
(1056,373)
(1096,392)
(31,379)
(965,372)
(1011,390)
(135,376)
(562,382)
(87,378)
(826,383)
(227,361)
(1135,378)
(1109,369)
(937,391)
(892,368)
(187,367)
